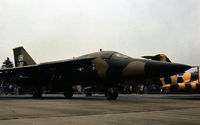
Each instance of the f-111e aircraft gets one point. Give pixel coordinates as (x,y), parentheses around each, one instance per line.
(104,68)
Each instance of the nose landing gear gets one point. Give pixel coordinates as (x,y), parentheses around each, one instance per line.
(111,94)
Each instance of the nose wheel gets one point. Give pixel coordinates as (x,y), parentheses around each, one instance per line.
(111,94)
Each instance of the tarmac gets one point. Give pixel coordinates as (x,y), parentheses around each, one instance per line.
(96,110)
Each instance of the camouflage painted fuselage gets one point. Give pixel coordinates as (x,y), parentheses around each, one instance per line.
(110,65)
(106,68)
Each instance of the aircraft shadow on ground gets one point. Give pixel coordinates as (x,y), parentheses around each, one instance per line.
(92,98)
(51,98)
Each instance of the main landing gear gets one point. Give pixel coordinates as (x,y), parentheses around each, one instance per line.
(88,91)
(37,93)
(111,94)
(68,93)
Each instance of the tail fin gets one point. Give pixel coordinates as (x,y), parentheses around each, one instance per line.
(22,58)
(159,57)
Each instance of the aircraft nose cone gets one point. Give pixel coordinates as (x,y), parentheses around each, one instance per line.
(161,69)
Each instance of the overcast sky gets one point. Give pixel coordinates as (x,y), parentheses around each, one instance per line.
(61,29)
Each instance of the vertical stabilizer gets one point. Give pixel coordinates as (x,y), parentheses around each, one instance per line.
(22,58)
(159,57)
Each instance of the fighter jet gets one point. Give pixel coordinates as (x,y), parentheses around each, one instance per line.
(104,68)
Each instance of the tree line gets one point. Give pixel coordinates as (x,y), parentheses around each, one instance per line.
(7,63)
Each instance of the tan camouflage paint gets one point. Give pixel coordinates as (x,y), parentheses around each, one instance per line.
(134,68)
(101,65)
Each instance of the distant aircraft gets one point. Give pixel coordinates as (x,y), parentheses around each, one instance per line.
(104,68)
(193,86)
(188,85)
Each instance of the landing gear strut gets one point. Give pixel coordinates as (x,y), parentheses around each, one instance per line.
(37,93)
(68,93)
(88,91)
(89,94)
(111,94)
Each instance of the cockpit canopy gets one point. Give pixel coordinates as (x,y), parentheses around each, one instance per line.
(107,55)
(113,55)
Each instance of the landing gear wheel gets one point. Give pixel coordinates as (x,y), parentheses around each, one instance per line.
(37,93)
(111,94)
(89,94)
(68,93)
(88,91)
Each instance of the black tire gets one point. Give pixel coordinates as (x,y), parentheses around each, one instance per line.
(68,93)
(111,94)
(89,94)
(37,93)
